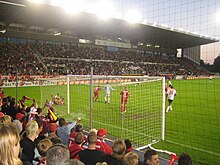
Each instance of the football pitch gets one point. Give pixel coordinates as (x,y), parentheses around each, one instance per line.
(192,127)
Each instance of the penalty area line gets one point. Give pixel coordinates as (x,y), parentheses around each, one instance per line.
(195,148)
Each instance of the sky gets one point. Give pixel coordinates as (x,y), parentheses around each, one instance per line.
(201,16)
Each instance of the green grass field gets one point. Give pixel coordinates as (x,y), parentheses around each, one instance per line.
(192,127)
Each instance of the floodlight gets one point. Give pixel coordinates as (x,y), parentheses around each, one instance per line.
(103,9)
(181,29)
(55,2)
(57,34)
(37,1)
(118,15)
(195,33)
(133,16)
(72,6)
(145,22)
(155,24)
(2,31)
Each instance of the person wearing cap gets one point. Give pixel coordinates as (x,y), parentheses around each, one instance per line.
(101,145)
(18,121)
(171,93)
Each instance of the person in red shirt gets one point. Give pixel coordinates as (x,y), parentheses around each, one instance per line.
(96,93)
(75,147)
(101,145)
(124,99)
(78,128)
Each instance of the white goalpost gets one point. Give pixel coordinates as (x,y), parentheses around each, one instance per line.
(144,120)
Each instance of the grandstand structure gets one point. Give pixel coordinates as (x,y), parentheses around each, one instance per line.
(58,42)
(41,42)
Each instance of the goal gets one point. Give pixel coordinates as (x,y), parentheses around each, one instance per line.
(144,119)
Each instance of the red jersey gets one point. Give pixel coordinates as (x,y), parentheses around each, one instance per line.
(124,96)
(74,149)
(97,89)
(101,145)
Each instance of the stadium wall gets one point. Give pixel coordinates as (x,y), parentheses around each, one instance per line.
(44,37)
(193,54)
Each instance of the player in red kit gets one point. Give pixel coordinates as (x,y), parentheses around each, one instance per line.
(96,93)
(124,98)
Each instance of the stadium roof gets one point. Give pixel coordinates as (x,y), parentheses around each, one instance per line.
(89,26)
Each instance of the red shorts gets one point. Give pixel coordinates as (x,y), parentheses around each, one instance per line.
(96,93)
(124,101)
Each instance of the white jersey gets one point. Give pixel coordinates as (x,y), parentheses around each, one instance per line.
(171,93)
(107,89)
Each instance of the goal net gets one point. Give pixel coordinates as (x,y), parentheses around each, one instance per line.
(143,121)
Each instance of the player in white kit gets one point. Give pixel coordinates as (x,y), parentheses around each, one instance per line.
(107,89)
(171,93)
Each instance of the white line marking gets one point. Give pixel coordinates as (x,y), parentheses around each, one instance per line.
(198,149)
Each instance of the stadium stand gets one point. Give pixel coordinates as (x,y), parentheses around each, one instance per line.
(62,59)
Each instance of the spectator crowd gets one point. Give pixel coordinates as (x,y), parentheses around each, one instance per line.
(29,137)
(62,59)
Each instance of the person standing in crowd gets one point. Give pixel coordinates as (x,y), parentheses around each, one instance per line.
(75,147)
(151,158)
(90,156)
(57,155)
(118,153)
(2,95)
(107,88)
(101,145)
(124,99)
(78,128)
(184,159)
(171,93)
(9,146)
(18,121)
(43,146)
(27,143)
(131,158)
(63,130)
